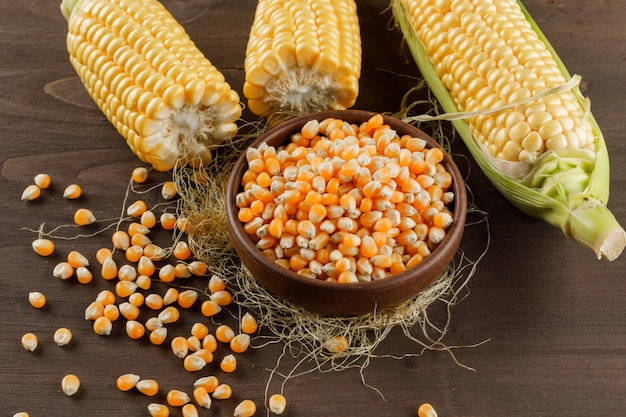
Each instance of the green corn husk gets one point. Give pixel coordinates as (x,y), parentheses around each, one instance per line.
(568,189)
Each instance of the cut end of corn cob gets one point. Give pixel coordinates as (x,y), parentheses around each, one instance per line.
(146,75)
(302,57)
(518,110)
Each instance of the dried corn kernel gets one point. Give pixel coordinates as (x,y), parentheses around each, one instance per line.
(94,310)
(127,382)
(199,330)
(70,384)
(111,311)
(105,297)
(171,296)
(158,336)
(32,192)
(240,343)
(63,270)
(209,383)
(202,397)
(36,299)
(189,410)
(426,410)
(177,398)
(109,269)
(209,343)
(193,363)
(30,341)
(224,333)
(83,275)
(84,217)
(42,181)
(125,288)
(134,329)
(72,192)
(168,190)
(129,311)
(154,301)
(158,410)
(77,259)
(140,174)
(136,209)
(187,298)
(168,221)
(148,387)
(43,247)
(198,268)
(182,250)
(228,363)
(277,404)
(169,315)
(223,298)
(209,308)
(222,392)
(148,219)
(62,336)
(102,326)
(216,284)
(167,273)
(246,408)
(120,240)
(248,324)
(179,347)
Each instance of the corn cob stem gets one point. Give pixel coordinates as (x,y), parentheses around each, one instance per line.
(567,187)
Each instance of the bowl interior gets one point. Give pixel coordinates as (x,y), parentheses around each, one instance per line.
(330,297)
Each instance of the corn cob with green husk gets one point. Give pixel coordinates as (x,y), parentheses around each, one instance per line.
(518,110)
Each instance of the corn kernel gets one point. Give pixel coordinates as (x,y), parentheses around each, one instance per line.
(109,269)
(209,343)
(277,404)
(216,284)
(209,383)
(134,329)
(148,219)
(127,382)
(129,311)
(202,397)
(106,297)
(248,324)
(84,217)
(83,275)
(223,298)
(148,387)
(62,336)
(42,181)
(111,311)
(246,408)
(94,310)
(21,414)
(158,336)
(32,192)
(168,221)
(43,247)
(182,250)
(171,296)
(209,308)
(121,240)
(168,190)
(144,282)
(177,398)
(426,410)
(136,299)
(240,343)
(198,268)
(169,315)
(72,192)
(187,298)
(145,266)
(228,363)
(102,254)
(77,259)
(102,326)
(189,410)
(182,271)
(167,273)
(136,209)
(140,175)
(125,288)
(179,347)
(36,299)
(154,301)
(158,410)
(30,341)
(193,363)
(199,330)
(63,270)
(70,384)
(224,333)
(222,392)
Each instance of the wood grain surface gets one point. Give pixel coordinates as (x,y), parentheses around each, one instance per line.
(553,318)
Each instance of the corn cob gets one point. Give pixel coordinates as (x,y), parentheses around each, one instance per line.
(518,110)
(146,75)
(302,56)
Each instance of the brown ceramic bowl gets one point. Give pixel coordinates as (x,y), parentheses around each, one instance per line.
(330,297)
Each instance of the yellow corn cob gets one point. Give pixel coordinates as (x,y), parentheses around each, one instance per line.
(522,115)
(159,91)
(302,56)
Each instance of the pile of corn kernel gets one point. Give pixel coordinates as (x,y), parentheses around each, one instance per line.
(132,297)
(346,203)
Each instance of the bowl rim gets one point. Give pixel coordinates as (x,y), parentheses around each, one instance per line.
(286,128)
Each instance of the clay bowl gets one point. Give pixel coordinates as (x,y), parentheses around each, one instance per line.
(330,297)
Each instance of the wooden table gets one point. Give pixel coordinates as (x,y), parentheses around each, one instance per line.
(553,317)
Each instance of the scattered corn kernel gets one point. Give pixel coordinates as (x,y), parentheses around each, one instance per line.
(120,240)
(149,387)
(194,363)
(199,330)
(158,410)
(222,392)
(94,310)
(77,259)
(106,297)
(153,323)
(169,315)
(36,299)
(209,343)
(145,266)
(216,284)
(148,219)
(30,341)
(154,301)
(144,282)
(179,346)
(202,397)
(168,221)
(140,174)
(158,336)
(189,410)
(84,217)
(102,254)
(171,296)
(198,268)
(177,398)
(136,209)
(167,273)
(224,333)
(187,298)
(246,408)
(32,192)
(42,181)
(72,192)
(209,383)
(249,324)
(168,190)
(125,288)
(426,410)
(63,270)
(112,312)
(83,275)
(209,308)
(240,343)
(337,344)
(109,269)
(223,298)
(102,326)
(129,311)
(62,336)
(43,247)
(228,363)
(21,414)
(70,384)
(127,382)
(182,250)
(134,329)
(277,404)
